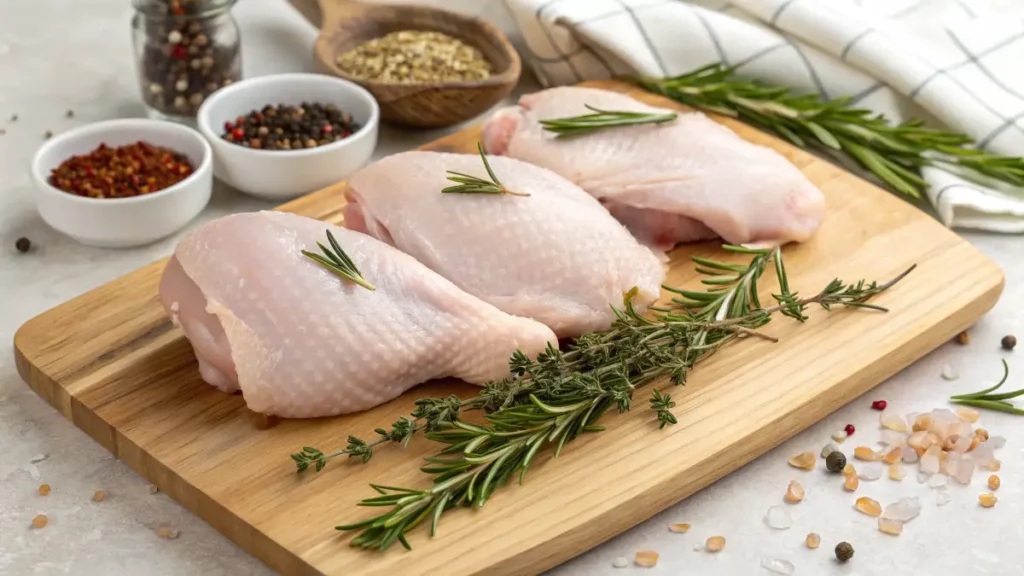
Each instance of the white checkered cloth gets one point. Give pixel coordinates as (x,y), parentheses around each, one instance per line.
(955,63)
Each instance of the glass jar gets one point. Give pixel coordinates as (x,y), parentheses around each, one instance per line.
(184,51)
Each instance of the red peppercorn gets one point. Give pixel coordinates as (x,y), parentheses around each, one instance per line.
(228,126)
(179,52)
(878,405)
(238,133)
(328,129)
(849,429)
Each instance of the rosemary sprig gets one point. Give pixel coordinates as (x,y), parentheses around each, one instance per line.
(601,119)
(337,261)
(554,399)
(986,399)
(895,153)
(466,184)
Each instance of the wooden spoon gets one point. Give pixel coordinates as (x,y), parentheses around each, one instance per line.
(344,24)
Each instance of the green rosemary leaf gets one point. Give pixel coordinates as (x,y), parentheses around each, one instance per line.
(336,260)
(895,153)
(467,184)
(602,119)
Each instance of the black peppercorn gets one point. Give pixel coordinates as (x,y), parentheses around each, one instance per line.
(23,244)
(1009,342)
(835,462)
(844,551)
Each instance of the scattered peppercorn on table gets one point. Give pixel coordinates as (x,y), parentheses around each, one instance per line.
(130,530)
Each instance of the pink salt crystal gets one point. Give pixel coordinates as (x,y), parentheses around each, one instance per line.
(910,455)
(870,471)
(929,464)
(944,415)
(963,443)
(982,454)
(893,438)
(903,510)
(968,414)
(964,472)
(917,439)
(891,421)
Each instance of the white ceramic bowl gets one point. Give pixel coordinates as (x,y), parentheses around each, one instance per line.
(123,222)
(283,174)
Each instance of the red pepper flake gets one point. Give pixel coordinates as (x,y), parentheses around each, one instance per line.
(849,429)
(108,172)
(878,405)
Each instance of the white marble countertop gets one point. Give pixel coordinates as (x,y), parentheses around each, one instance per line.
(56,56)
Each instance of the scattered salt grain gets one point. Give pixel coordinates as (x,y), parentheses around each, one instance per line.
(40,521)
(949,373)
(870,471)
(892,527)
(903,510)
(153,488)
(839,436)
(893,438)
(620,562)
(910,455)
(778,518)
(923,477)
(892,421)
(38,458)
(776,566)
(997,442)
(646,558)
(715,544)
(167,533)
(942,497)
(828,449)
(937,481)
(964,472)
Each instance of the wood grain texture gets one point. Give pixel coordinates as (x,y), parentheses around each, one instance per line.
(111,362)
(347,24)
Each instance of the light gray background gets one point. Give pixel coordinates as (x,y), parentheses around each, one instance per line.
(56,55)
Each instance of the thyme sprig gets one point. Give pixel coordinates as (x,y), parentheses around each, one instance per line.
(553,399)
(336,260)
(662,404)
(895,153)
(986,399)
(466,184)
(602,119)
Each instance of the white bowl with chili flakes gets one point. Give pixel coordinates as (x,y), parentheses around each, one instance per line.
(135,220)
(283,174)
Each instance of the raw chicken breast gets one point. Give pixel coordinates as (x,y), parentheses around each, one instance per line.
(555,256)
(300,341)
(681,181)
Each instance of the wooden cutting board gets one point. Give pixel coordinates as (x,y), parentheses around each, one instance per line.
(112,363)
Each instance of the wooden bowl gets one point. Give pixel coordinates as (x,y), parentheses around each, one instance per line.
(428,105)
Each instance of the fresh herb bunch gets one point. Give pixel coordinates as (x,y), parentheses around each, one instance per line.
(466,184)
(601,119)
(895,153)
(559,396)
(986,398)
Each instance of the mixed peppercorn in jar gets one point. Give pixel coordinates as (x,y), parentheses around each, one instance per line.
(185,50)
